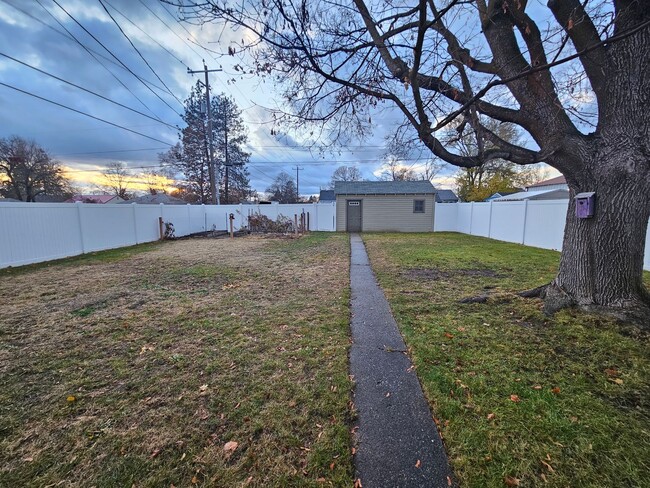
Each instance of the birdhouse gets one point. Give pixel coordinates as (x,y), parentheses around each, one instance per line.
(585,204)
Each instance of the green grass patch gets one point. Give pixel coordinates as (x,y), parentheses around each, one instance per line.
(97,257)
(140,370)
(550,401)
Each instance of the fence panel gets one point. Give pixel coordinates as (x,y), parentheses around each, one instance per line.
(464,223)
(545,223)
(446,217)
(33,232)
(508,220)
(106,226)
(481,219)
(146,222)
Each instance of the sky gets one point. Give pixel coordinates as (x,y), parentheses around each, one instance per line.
(78,42)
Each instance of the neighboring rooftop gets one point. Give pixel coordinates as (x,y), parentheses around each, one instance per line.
(446,196)
(94,199)
(327,196)
(383,188)
(156,199)
(553,194)
(558,180)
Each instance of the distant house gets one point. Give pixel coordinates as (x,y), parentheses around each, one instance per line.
(556,194)
(156,199)
(389,206)
(557,183)
(102,199)
(327,196)
(500,194)
(446,196)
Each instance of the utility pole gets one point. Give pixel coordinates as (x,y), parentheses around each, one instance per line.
(226,163)
(214,189)
(298,168)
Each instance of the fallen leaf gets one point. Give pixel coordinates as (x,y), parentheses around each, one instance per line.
(71,399)
(332,466)
(512,481)
(490,416)
(195,480)
(354,451)
(155,453)
(448,335)
(618,381)
(146,348)
(357,483)
(548,466)
(611,372)
(555,390)
(537,387)
(203,388)
(417,464)
(515,398)
(448,481)
(387,394)
(230,447)
(320,480)
(461,329)
(28,459)
(543,476)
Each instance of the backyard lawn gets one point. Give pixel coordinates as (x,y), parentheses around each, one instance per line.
(521,399)
(187,363)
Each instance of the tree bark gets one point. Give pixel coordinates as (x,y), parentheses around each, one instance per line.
(601,268)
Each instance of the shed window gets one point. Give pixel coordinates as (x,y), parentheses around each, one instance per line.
(418,206)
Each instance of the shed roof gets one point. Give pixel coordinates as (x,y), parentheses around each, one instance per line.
(383,188)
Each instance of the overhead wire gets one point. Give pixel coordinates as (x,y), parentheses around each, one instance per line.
(101,2)
(114,56)
(92,53)
(86,90)
(145,33)
(83,113)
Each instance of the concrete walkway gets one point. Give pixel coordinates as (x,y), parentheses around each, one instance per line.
(398,444)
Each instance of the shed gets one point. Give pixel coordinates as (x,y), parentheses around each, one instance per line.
(384,206)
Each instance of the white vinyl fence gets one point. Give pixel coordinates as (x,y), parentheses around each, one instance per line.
(532,223)
(36,232)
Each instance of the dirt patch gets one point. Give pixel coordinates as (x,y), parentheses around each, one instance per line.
(434,274)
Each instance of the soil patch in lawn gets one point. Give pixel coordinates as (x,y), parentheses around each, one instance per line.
(197,362)
(442,274)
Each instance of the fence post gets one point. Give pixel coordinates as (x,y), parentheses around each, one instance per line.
(205,218)
(81,229)
(471,216)
(490,221)
(523,231)
(135,223)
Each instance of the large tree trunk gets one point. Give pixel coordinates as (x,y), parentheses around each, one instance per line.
(601,267)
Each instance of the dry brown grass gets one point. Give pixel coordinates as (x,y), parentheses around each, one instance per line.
(136,368)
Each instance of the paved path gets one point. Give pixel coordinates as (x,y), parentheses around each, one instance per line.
(395,426)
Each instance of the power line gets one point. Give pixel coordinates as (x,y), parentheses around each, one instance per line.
(83,113)
(145,33)
(114,56)
(113,151)
(165,24)
(86,90)
(139,53)
(92,53)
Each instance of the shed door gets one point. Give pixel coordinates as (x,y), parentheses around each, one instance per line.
(353,215)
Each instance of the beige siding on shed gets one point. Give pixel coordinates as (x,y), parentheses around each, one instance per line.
(388,213)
